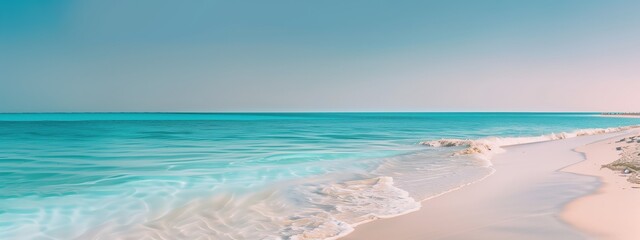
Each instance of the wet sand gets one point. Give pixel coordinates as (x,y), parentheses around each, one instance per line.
(613,212)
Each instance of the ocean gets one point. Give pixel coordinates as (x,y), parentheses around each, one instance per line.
(246,175)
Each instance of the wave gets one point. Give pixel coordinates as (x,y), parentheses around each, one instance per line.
(299,211)
(356,202)
(486,147)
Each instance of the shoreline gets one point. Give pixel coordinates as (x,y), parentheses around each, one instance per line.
(472,212)
(619,116)
(611,212)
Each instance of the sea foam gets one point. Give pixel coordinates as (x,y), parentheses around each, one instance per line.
(298,211)
(486,147)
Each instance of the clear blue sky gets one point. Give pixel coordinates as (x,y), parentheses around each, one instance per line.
(538,55)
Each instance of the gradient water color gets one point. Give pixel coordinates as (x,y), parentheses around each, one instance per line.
(238,175)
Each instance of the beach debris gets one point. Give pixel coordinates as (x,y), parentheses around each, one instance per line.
(628,163)
(634,178)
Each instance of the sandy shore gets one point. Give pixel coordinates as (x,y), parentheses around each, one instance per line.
(613,212)
(523,199)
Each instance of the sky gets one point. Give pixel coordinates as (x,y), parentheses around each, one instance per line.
(329,55)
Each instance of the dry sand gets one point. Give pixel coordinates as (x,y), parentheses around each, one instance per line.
(613,212)
(521,200)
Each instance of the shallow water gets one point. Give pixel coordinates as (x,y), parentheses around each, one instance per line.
(238,176)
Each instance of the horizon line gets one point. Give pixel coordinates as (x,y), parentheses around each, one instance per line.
(253,112)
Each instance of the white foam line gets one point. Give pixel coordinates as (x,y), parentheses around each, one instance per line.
(487,157)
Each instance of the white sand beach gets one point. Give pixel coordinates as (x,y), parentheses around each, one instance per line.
(530,196)
(613,211)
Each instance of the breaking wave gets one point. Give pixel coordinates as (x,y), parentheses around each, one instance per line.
(486,147)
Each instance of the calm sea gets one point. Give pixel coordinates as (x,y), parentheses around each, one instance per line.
(238,175)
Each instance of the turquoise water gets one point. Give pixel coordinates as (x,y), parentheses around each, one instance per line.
(237,176)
